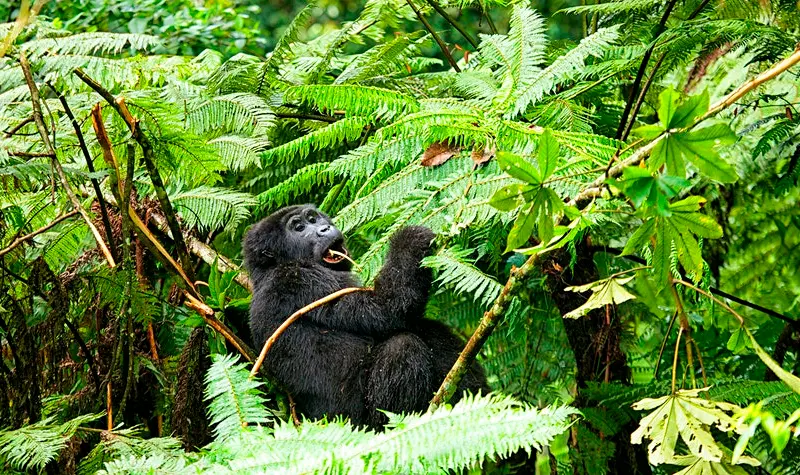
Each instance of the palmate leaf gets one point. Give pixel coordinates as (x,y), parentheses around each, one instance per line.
(604,292)
(686,415)
(699,466)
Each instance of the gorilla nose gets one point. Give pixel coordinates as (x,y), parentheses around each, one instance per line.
(324,230)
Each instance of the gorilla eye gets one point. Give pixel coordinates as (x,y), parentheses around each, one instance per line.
(312,219)
(299,227)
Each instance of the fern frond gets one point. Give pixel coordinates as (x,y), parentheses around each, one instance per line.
(362,101)
(240,113)
(455,271)
(90,44)
(347,129)
(33,446)
(563,69)
(209,208)
(235,399)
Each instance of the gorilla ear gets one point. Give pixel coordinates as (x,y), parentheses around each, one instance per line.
(257,247)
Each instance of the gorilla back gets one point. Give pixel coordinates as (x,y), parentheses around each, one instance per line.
(364,351)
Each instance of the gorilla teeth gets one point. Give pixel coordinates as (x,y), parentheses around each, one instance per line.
(333,257)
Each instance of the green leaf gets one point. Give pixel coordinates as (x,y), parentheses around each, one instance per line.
(518,167)
(693,107)
(649,132)
(668,103)
(690,204)
(640,238)
(737,341)
(697,223)
(661,253)
(689,253)
(698,148)
(547,154)
(510,197)
(522,229)
(604,292)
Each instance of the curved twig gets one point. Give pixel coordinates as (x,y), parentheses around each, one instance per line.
(317,303)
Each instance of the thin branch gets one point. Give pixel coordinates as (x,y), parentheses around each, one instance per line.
(149,160)
(298,115)
(37,118)
(17,127)
(292,318)
(90,166)
(441,11)
(640,99)
(435,36)
(208,315)
(675,358)
(15,153)
(595,188)
(713,290)
(643,68)
(33,234)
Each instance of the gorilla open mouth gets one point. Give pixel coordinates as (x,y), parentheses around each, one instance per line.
(336,253)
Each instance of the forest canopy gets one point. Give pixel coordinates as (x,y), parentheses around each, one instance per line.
(613,185)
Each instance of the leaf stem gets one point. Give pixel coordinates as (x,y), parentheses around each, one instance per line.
(436,37)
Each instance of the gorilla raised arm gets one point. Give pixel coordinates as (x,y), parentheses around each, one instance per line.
(364,351)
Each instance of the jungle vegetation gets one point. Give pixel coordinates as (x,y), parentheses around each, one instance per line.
(613,185)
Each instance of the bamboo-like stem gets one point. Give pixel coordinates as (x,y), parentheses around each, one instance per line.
(39,231)
(435,36)
(90,166)
(38,119)
(675,358)
(148,155)
(109,412)
(293,317)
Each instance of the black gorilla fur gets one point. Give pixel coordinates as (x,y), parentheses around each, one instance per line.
(365,351)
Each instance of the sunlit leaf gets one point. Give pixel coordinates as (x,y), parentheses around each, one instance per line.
(685,415)
(604,292)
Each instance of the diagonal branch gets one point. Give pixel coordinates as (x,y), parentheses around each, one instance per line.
(436,37)
(623,122)
(441,11)
(37,118)
(39,231)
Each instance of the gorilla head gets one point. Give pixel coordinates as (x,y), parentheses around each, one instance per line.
(295,234)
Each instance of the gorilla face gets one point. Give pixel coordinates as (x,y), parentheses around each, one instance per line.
(296,233)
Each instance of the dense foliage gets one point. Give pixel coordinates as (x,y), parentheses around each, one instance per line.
(614,189)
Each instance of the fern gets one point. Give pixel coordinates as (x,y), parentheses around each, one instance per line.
(234,397)
(210,208)
(34,446)
(353,100)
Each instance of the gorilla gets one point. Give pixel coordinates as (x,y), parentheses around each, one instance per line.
(365,351)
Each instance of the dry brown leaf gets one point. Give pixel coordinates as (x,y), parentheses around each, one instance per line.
(438,153)
(481,156)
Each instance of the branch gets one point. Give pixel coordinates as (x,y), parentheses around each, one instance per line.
(713,290)
(33,234)
(149,160)
(17,127)
(208,315)
(595,188)
(37,118)
(15,153)
(90,165)
(317,303)
(319,117)
(485,328)
(206,253)
(441,11)
(436,37)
